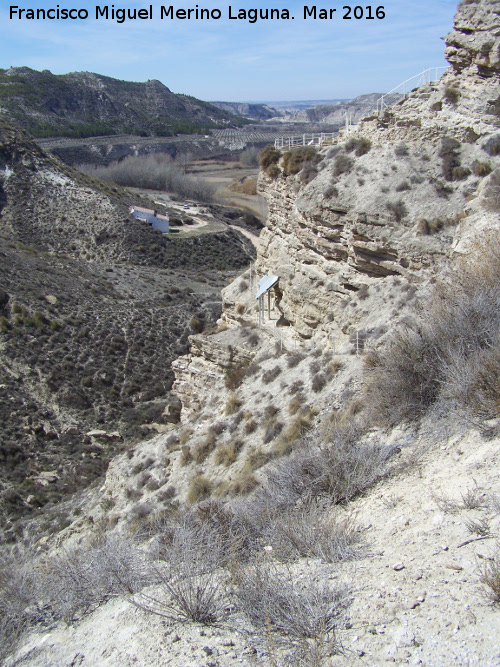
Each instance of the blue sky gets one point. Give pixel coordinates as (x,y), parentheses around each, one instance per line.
(235,60)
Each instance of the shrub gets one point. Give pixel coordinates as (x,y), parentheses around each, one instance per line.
(450,157)
(398,209)
(360,145)
(192,587)
(155,171)
(273,171)
(228,453)
(492,146)
(271,599)
(196,324)
(294,358)
(296,159)
(250,426)
(453,352)
(401,150)
(203,449)
(490,577)
(233,404)
(401,187)
(313,530)
(273,429)
(268,160)
(199,488)
(330,191)
(318,382)
(460,173)
(451,94)
(234,376)
(271,374)
(343,164)
(481,168)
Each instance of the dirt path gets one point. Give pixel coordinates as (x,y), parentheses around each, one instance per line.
(250,235)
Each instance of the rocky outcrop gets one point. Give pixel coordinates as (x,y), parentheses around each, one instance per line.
(200,374)
(474,43)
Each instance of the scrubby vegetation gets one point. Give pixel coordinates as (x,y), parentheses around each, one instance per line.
(154,172)
(268,160)
(451,353)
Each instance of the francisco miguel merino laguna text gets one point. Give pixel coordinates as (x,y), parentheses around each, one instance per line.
(120,15)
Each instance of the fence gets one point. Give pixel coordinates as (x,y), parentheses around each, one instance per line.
(394,95)
(315,139)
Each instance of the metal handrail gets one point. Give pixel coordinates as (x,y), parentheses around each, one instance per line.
(426,76)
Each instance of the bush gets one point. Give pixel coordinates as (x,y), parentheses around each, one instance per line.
(398,209)
(268,160)
(192,587)
(318,382)
(450,156)
(294,358)
(401,187)
(303,161)
(199,488)
(481,168)
(451,94)
(228,453)
(313,530)
(271,374)
(330,191)
(343,164)
(249,157)
(490,577)
(233,404)
(401,150)
(360,145)
(492,146)
(451,353)
(271,599)
(460,173)
(234,376)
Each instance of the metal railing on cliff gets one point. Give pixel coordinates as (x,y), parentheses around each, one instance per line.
(386,100)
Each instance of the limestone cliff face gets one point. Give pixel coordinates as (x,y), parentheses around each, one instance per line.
(474,43)
(355,239)
(394,213)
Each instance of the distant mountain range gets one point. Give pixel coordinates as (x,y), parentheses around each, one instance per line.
(334,113)
(83,104)
(248,110)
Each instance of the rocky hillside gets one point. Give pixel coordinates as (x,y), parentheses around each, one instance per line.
(330,496)
(94,305)
(84,104)
(253,111)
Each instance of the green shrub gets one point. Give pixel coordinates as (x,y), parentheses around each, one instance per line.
(343,164)
(294,160)
(451,94)
(360,145)
(268,160)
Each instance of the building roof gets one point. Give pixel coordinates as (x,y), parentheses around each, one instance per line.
(265,285)
(147,214)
